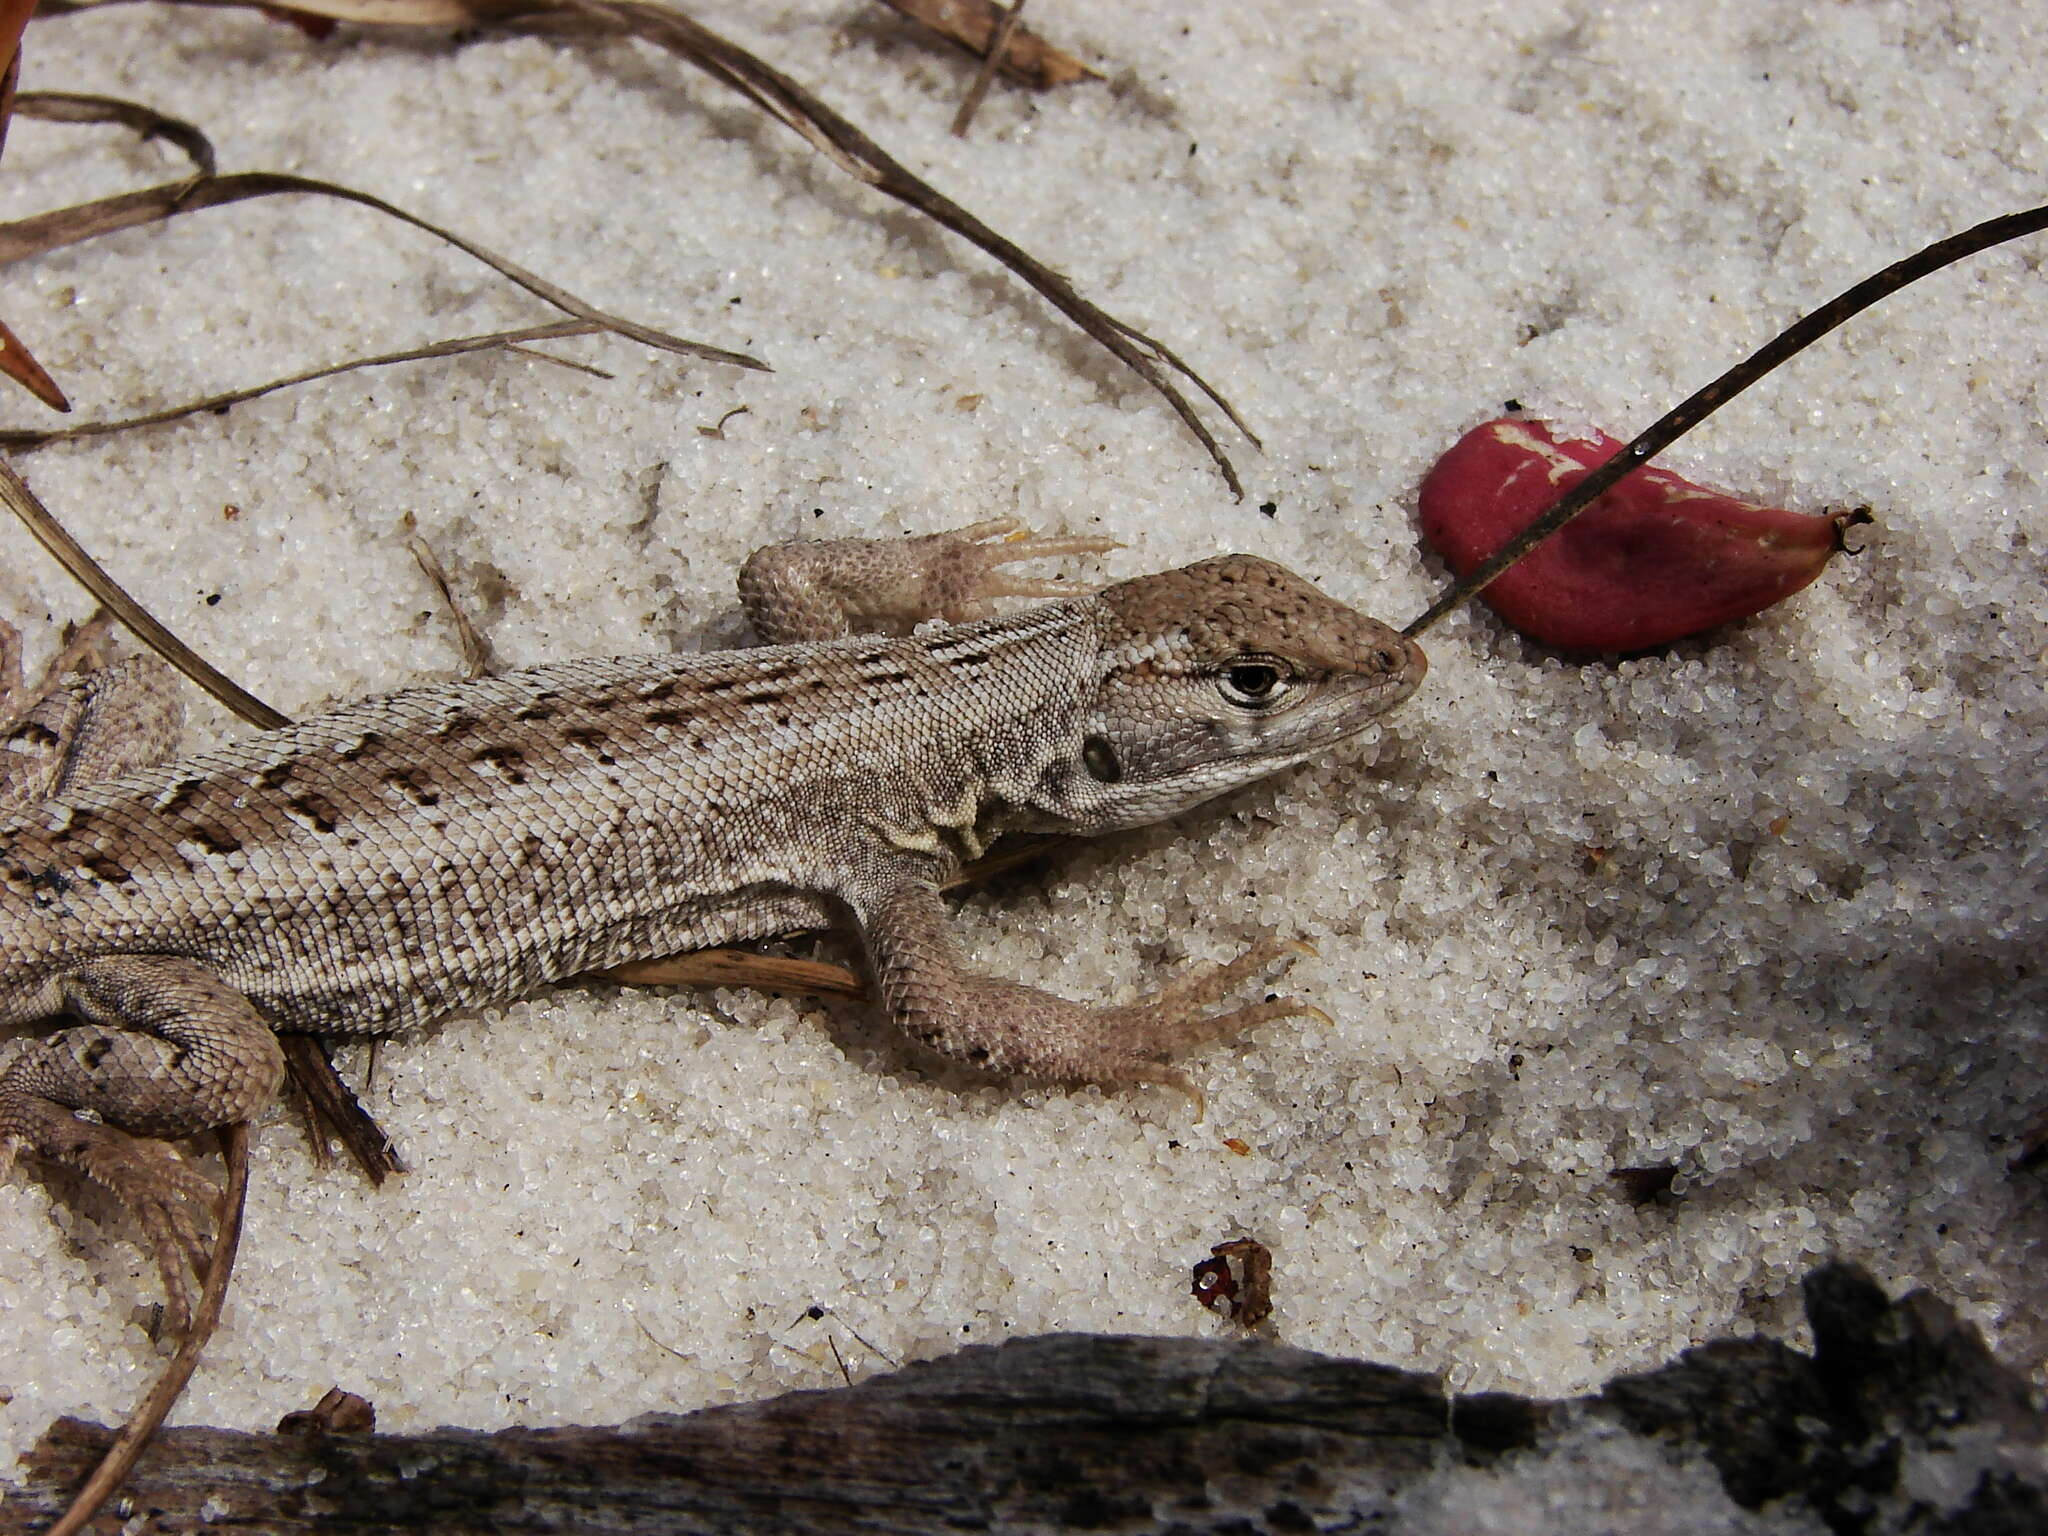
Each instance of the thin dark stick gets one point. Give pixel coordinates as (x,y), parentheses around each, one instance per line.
(1697,408)
(23,438)
(90,574)
(128,1446)
(998,50)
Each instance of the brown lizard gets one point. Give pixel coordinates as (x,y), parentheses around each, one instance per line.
(454,846)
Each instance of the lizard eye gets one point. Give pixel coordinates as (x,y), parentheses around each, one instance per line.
(1253,684)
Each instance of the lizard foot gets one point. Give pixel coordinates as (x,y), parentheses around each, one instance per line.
(1170,1021)
(175,1205)
(839,587)
(1014,1030)
(961,571)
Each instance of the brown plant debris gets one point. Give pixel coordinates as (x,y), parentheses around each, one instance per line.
(337,1413)
(1237,1281)
(127,1447)
(14,19)
(972,25)
(71,107)
(739,968)
(998,50)
(331,1109)
(20,365)
(90,574)
(16,361)
(478,659)
(60,227)
(790,104)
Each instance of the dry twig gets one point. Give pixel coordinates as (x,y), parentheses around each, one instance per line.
(998,50)
(28,437)
(972,24)
(128,1446)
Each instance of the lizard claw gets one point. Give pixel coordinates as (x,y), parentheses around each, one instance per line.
(828,590)
(175,1205)
(960,568)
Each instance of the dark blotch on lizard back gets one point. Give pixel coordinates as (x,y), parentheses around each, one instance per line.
(510,762)
(181,796)
(104,867)
(212,839)
(317,811)
(411,788)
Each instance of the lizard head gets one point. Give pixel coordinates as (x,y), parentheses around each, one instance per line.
(1218,674)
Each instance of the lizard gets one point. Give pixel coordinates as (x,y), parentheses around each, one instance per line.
(453,846)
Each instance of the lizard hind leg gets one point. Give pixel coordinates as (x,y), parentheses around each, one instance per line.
(174,1204)
(166,1050)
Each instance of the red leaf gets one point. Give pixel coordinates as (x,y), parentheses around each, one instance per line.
(1654,559)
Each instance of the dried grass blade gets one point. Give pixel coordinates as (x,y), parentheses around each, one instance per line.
(332,1109)
(22,438)
(60,227)
(88,573)
(128,1446)
(71,107)
(972,24)
(854,152)
(738,968)
(832,136)
(478,657)
(998,50)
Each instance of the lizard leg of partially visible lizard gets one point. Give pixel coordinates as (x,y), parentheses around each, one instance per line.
(92,725)
(167,1050)
(834,588)
(1014,1030)
(90,719)
(84,648)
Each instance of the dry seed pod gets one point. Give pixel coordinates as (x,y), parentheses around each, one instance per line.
(1654,559)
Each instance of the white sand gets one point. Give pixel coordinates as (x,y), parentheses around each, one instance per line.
(1808,972)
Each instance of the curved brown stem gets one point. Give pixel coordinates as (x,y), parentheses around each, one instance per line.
(134,1438)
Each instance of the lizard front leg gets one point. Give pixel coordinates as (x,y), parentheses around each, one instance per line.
(167,1050)
(834,588)
(1014,1030)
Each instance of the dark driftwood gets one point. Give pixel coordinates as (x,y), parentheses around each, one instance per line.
(1083,1432)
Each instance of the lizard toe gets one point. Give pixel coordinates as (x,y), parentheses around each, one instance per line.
(174,1204)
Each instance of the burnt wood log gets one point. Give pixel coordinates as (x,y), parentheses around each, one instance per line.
(1902,1420)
